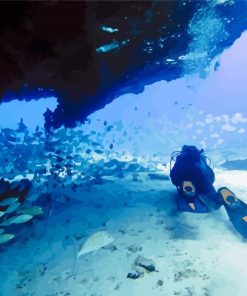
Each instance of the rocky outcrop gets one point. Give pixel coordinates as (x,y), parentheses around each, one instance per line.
(87,53)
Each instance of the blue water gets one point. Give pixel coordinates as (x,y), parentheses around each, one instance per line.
(111,173)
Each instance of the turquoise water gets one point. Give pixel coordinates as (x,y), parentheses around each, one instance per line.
(111,174)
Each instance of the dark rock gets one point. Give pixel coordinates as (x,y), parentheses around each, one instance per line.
(5,185)
(145,263)
(134,248)
(134,275)
(41,36)
(111,248)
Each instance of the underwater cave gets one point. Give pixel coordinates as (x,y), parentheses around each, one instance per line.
(123,135)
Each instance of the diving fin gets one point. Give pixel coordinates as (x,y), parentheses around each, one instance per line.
(235,208)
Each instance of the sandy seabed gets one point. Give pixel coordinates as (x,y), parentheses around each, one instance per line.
(193,254)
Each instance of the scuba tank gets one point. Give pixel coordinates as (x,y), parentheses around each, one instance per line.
(193,178)
(191,166)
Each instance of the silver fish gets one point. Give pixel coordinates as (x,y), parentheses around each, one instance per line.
(6,237)
(95,242)
(18,219)
(12,208)
(8,201)
(33,211)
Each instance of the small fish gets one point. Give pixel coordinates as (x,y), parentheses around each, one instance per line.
(33,211)
(6,237)
(18,219)
(95,144)
(59,159)
(110,127)
(95,242)
(12,208)
(8,201)
(98,151)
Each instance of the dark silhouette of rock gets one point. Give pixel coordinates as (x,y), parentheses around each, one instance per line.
(145,263)
(87,53)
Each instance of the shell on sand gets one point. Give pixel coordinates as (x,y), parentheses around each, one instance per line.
(96,241)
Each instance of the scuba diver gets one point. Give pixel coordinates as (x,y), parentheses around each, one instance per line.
(194,178)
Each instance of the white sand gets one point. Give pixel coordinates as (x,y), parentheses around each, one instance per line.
(194,254)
